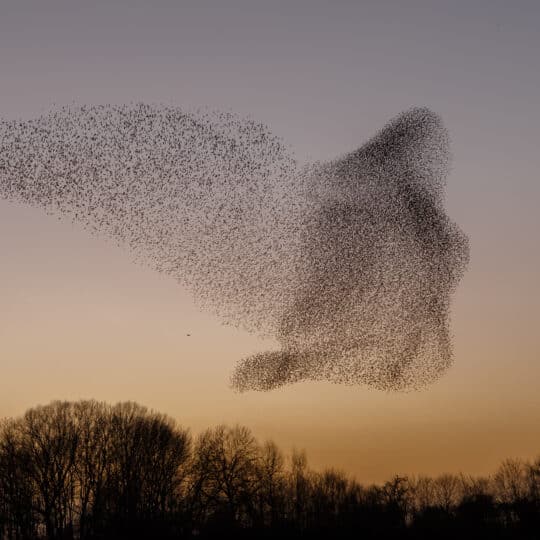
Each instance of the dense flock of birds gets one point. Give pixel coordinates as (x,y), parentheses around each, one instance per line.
(349,265)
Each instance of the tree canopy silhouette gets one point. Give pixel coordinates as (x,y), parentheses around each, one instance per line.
(90,470)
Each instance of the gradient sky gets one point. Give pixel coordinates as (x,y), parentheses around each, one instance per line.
(79,320)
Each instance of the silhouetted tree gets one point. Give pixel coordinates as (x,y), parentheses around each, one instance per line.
(224,475)
(16,488)
(90,471)
(271,481)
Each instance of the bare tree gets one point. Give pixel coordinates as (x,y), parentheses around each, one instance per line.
(147,452)
(225,473)
(49,442)
(423,492)
(446,492)
(17,519)
(329,497)
(533,481)
(271,480)
(88,470)
(299,488)
(398,495)
(510,481)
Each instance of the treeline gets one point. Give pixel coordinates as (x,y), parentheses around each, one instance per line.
(89,470)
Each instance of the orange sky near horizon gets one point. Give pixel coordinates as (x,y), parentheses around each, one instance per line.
(80,320)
